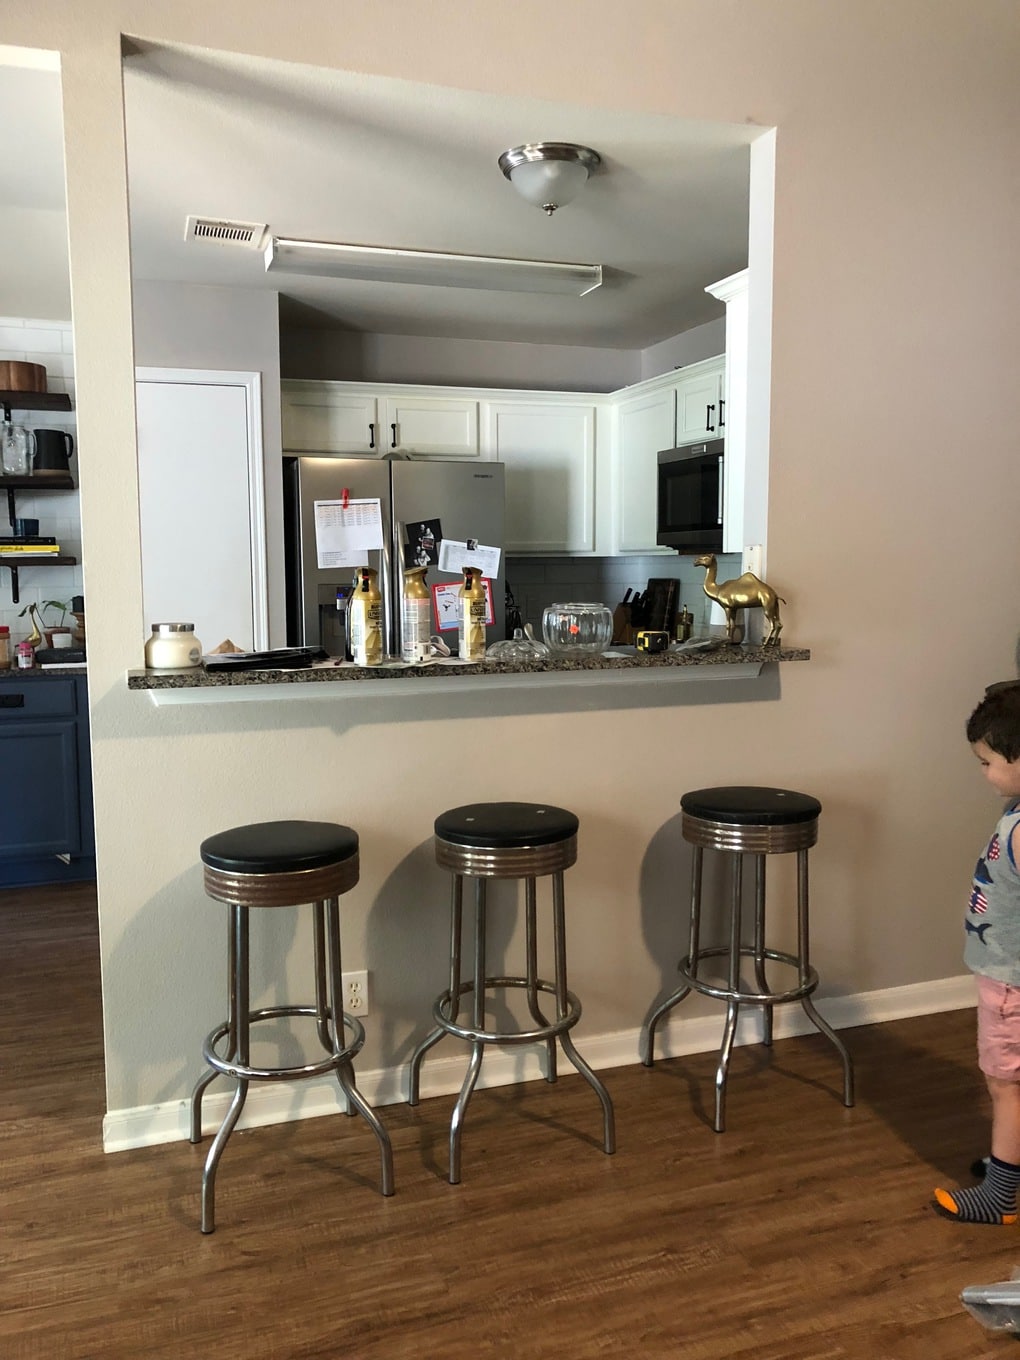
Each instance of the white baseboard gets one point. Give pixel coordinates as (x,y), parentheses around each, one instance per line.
(280,1102)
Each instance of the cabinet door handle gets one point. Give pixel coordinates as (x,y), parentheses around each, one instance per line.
(12,701)
(708,416)
(393,442)
(371,434)
(722,413)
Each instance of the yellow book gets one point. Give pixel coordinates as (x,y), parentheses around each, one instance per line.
(29,550)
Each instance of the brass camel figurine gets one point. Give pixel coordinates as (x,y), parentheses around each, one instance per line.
(746,592)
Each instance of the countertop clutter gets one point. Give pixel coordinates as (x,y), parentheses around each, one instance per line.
(620,662)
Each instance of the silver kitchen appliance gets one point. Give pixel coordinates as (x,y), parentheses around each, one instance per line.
(422,502)
(690,490)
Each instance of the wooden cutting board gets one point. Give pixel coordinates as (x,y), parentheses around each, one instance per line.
(17,376)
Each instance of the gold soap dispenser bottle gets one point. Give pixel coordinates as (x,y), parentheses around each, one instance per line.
(471,621)
(365,618)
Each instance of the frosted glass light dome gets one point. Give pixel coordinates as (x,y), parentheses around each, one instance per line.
(549,174)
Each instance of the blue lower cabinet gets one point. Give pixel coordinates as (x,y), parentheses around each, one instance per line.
(46,831)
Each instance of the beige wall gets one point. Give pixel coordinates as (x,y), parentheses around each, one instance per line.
(892,528)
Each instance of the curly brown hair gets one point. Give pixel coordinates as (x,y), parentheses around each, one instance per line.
(996,722)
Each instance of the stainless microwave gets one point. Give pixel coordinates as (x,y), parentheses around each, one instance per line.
(690,497)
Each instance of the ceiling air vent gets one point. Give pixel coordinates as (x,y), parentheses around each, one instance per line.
(221,232)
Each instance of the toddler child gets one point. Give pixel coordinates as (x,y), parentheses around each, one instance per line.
(992,951)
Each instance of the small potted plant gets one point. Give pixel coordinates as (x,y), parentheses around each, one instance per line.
(55,630)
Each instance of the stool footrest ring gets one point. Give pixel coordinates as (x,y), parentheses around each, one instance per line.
(313,1069)
(443,1005)
(724,993)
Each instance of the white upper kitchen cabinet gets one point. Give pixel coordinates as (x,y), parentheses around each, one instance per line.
(548,447)
(700,394)
(430,426)
(370,419)
(644,424)
(325,417)
(676,408)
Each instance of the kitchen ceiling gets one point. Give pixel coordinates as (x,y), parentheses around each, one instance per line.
(341,156)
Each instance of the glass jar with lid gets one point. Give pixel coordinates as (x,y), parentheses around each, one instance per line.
(173,647)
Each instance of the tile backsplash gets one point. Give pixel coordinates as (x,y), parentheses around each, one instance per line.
(48,343)
(540,581)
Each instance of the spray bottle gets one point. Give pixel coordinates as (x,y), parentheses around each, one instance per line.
(364,616)
(471,621)
(415,618)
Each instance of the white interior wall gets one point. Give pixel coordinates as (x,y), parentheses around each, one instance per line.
(881,337)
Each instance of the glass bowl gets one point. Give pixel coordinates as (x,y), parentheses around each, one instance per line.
(577,629)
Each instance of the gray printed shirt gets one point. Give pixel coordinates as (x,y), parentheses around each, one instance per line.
(992,924)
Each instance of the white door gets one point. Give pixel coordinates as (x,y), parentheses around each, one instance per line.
(201,504)
(549,452)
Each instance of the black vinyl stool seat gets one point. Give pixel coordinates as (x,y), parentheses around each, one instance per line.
(281,864)
(506,840)
(757,821)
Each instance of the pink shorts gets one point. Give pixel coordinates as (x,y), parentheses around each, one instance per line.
(998,1029)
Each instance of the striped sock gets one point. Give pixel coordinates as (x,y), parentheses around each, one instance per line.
(994,1201)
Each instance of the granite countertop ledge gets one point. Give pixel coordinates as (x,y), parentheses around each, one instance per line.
(611,665)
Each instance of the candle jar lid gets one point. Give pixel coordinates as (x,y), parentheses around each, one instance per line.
(164,629)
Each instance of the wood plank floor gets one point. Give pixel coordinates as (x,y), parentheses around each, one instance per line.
(802,1233)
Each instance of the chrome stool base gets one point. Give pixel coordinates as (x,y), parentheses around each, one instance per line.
(737,837)
(493,860)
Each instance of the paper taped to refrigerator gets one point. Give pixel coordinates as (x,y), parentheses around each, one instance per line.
(455,556)
(346,533)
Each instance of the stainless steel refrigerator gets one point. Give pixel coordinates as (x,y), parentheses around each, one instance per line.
(422,502)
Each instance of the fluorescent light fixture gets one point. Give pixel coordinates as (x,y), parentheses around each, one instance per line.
(383,264)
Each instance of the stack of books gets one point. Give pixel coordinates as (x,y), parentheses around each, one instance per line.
(33,545)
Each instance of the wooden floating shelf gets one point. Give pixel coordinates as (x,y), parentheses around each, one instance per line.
(44,481)
(15,561)
(33,401)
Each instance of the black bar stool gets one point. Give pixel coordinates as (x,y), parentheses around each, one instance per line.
(760,822)
(507,840)
(281,864)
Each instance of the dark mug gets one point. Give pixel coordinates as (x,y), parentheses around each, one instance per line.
(53,449)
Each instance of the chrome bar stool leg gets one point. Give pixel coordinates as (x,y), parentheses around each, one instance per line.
(563,1010)
(733,1005)
(356,1102)
(532,976)
(454,994)
(477,1046)
(195,1135)
(759,948)
(805,967)
(241,1007)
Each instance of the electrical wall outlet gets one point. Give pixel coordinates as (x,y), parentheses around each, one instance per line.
(355,993)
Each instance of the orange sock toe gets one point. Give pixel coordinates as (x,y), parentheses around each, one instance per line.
(946,1200)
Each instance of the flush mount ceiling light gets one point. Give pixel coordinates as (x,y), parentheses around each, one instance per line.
(549,174)
(384,264)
